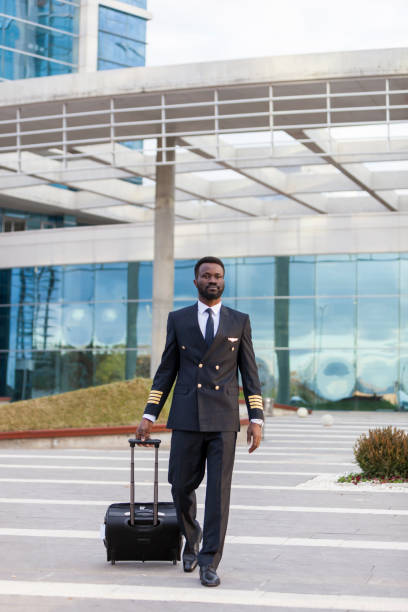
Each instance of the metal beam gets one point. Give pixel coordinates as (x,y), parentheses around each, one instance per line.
(318,150)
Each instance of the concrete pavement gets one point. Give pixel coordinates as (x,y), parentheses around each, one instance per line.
(290,545)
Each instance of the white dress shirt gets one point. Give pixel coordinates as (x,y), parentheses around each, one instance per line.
(202,322)
(203,316)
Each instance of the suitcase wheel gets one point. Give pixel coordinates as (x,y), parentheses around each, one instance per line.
(113,561)
(174,561)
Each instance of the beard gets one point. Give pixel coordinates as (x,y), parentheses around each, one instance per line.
(211,292)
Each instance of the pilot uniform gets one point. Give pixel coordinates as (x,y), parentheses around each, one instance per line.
(204,415)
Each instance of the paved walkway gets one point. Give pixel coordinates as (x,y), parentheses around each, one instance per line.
(293,542)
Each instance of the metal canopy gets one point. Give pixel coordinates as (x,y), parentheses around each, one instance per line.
(304,146)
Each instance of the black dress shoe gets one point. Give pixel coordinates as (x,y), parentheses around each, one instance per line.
(190,559)
(208,576)
(190,565)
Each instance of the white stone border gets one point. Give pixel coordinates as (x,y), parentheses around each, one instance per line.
(328,482)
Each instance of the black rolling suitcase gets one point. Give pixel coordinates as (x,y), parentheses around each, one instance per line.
(142,531)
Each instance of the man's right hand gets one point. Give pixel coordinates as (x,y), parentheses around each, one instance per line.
(144,429)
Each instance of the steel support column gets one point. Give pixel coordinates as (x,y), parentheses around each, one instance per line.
(163,266)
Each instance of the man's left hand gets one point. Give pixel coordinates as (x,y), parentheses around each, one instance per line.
(254,435)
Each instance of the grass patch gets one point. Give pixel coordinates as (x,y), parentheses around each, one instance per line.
(119,403)
(356,477)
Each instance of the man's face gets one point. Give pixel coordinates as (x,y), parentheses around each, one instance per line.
(210,281)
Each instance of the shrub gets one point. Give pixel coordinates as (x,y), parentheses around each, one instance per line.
(383,453)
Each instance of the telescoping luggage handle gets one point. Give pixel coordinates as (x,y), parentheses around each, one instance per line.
(156,444)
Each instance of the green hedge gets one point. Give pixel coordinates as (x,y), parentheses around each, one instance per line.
(119,403)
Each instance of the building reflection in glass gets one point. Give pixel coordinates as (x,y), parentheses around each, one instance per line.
(327,330)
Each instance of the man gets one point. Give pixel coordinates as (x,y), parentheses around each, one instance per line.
(206,344)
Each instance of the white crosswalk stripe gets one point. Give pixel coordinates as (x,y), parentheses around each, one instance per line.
(258,508)
(249,487)
(241,540)
(231,597)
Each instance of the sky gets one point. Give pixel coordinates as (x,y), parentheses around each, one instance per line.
(184,31)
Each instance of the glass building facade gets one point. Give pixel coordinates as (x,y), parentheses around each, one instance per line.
(15,220)
(121,39)
(41,37)
(328,330)
(38,38)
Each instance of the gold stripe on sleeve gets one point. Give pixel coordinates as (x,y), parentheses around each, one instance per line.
(154,396)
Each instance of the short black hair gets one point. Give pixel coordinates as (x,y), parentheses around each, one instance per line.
(208,259)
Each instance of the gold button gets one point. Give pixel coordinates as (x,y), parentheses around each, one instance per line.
(200,365)
(217,367)
(184,348)
(199,385)
(217,387)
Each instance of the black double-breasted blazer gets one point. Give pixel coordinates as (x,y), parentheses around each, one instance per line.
(206,392)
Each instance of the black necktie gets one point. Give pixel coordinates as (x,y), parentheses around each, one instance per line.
(209,328)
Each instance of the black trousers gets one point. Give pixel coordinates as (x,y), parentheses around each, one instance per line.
(190,452)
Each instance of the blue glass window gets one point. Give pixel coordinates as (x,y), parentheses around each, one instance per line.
(140,3)
(122,39)
(53,13)
(404,319)
(47,326)
(111,281)
(301,275)
(265,357)
(255,276)
(184,288)
(376,371)
(301,322)
(122,24)
(22,319)
(378,274)
(35,285)
(48,45)
(144,324)
(57,14)
(77,370)
(46,372)
(118,52)
(5,286)
(403,379)
(336,275)
(261,313)
(335,377)
(110,366)
(378,322)
(404,273)
(77,325)
(140,280)
(110,324)
(79,283)
(294,377)
(335,323)
(4,327)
